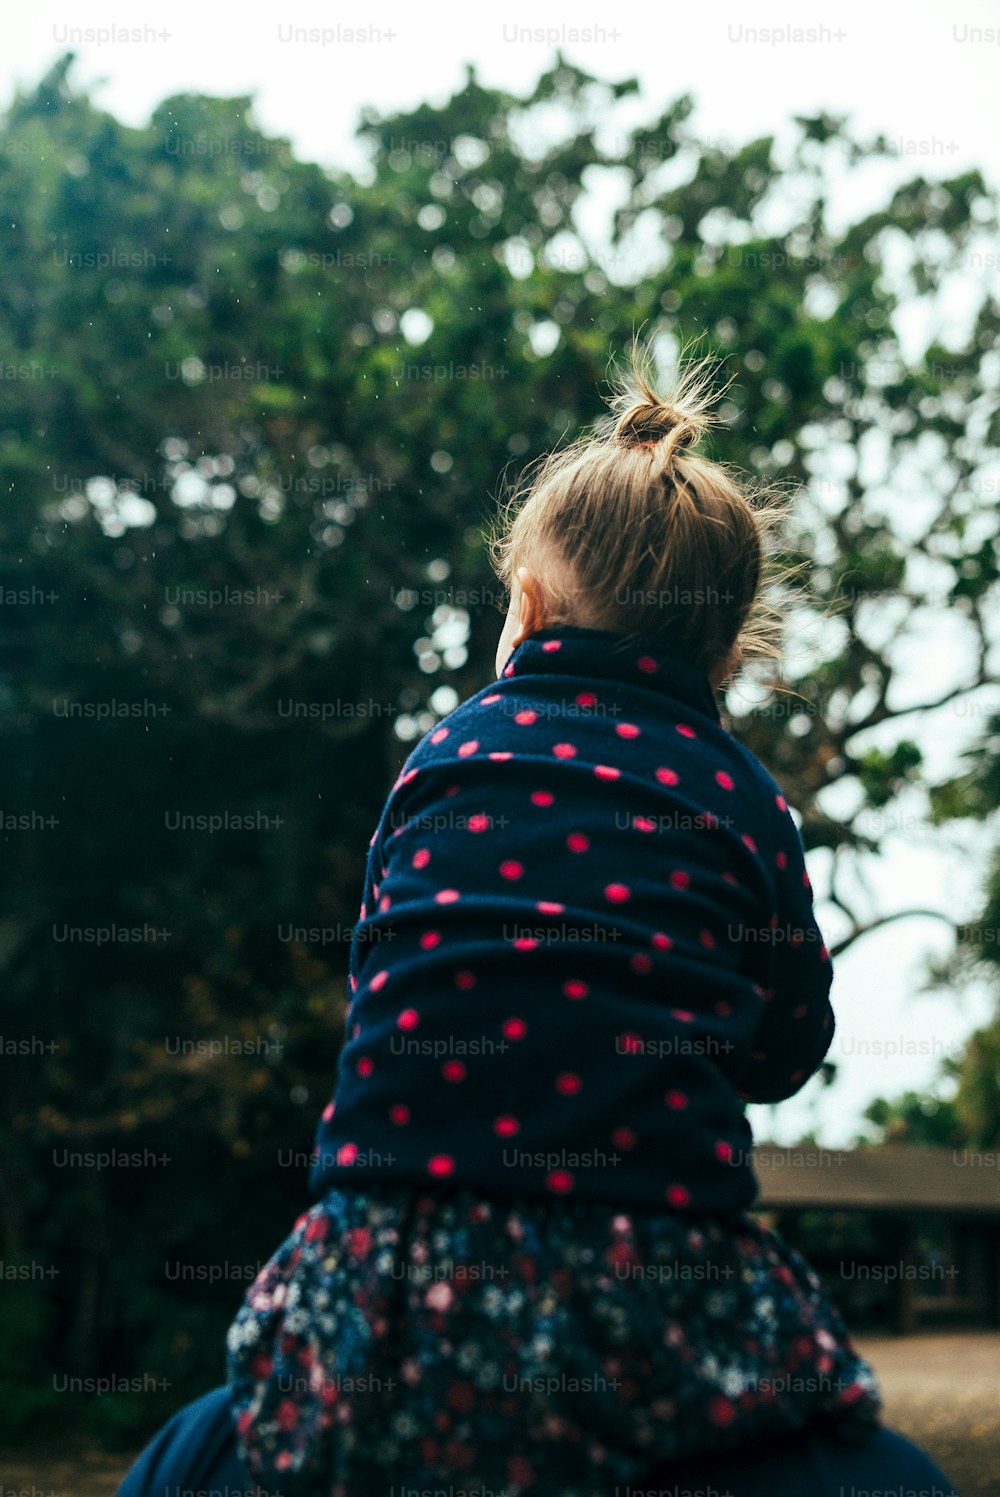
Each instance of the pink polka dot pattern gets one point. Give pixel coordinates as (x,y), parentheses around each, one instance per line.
(628,838)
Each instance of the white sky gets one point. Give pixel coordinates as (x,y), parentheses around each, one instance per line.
(917,73)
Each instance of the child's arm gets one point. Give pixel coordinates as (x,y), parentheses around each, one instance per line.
(389,821)
(796,1029)
(369,894)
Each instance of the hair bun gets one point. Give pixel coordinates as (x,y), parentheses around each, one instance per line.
(648,423)
(679,416)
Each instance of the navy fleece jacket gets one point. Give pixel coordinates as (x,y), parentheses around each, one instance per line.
(587,937)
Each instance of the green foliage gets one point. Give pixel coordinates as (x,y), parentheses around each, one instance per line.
(970,1113)
(916,1119)
(884,775)
(208,385)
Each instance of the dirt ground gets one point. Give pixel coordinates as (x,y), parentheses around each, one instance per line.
(942,1391)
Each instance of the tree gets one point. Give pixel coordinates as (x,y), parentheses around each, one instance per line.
(964,1110)
(254,418)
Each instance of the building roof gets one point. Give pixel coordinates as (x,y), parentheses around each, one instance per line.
(889,1177)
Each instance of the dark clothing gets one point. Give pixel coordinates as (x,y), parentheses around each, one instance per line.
(586,939)
(528,1347)
(196,1452)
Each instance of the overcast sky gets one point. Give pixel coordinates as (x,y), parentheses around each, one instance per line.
(924,76)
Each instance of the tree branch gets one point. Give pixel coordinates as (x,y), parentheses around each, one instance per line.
(862,930)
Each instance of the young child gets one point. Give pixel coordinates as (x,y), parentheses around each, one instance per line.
(586,940)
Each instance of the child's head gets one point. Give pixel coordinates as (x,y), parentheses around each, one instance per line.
(632,531)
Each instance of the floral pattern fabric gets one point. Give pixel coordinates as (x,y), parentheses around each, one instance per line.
(420,1339)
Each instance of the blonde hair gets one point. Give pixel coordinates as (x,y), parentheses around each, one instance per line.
(629,529)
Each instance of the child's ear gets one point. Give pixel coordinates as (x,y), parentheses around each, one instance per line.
(530,616)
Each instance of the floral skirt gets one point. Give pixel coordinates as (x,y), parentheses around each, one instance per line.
(410,1339)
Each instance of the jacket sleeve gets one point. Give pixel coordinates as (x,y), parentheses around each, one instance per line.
(796,1028)
(393,814)
(374,865)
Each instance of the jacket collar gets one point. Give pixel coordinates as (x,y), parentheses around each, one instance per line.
(571,650)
